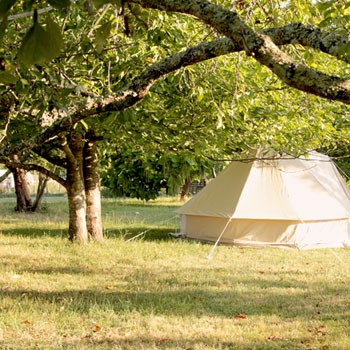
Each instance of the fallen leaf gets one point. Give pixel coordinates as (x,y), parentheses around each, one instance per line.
(272,337)
(198,298)
(161,340)
(97,329)
(26,322)
(241,316)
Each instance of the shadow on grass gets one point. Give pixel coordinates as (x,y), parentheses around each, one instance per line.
(121,203)
(35,232)
(149,235)
(153,235)
(180,299)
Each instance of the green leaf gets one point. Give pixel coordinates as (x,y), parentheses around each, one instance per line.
(7,78)
(3,26)
(100,3)
(60,4)
(33,48)
(344,50)
(325,22)
(83,122)
(28,5)
(200,97)
(5,6)
(41,45)
(102,34)
(54,41)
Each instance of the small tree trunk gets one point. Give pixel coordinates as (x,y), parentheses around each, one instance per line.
(40,192)
(21,202)
(76,192)
(185,189)
(93,192)
(24,202)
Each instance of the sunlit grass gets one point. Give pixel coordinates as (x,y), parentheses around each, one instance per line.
(160,293)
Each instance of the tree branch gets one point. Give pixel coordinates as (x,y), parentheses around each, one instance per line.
(260,46)
(263,47)
(130,95)
(42,152)
(309,36)
(66,149)
(5,175)
(31,167)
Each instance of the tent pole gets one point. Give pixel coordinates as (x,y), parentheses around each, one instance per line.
(218,240)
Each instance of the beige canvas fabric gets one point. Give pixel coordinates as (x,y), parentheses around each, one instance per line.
(301,203)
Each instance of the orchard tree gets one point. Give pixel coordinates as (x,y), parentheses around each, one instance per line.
(71,72)
(139,173)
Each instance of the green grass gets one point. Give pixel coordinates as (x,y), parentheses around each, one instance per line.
(160,293)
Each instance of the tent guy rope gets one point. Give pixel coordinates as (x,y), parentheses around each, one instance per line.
(218,240)
(143,232)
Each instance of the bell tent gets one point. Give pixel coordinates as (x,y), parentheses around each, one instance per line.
(298,203)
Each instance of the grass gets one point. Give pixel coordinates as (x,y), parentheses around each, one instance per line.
(160,293)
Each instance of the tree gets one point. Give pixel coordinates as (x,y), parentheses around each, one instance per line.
(138,173)
(105,92)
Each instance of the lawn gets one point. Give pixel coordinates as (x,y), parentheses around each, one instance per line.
(157,292)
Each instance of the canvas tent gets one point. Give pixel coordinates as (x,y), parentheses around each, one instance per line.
(299,203)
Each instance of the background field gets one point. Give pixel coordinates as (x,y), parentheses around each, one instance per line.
(161,293)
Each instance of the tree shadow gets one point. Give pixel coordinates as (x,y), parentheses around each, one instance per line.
(153,235)
(35,232)
(146,234)
(180,297)
(141,204)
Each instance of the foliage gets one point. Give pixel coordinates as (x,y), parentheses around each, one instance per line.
(218,109)
(138,174)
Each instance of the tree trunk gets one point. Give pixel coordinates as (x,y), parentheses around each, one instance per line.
(24,202)
(40,192)
(185,189)
(92,190)
(76,191)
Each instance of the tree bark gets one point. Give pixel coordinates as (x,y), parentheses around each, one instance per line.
(76,190)
(185,189)
(92,190)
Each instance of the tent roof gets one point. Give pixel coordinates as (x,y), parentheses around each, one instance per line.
(300,189)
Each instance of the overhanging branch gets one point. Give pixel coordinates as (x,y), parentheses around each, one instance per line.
(262,47)
(130,95)
(34,167)
(5,175)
